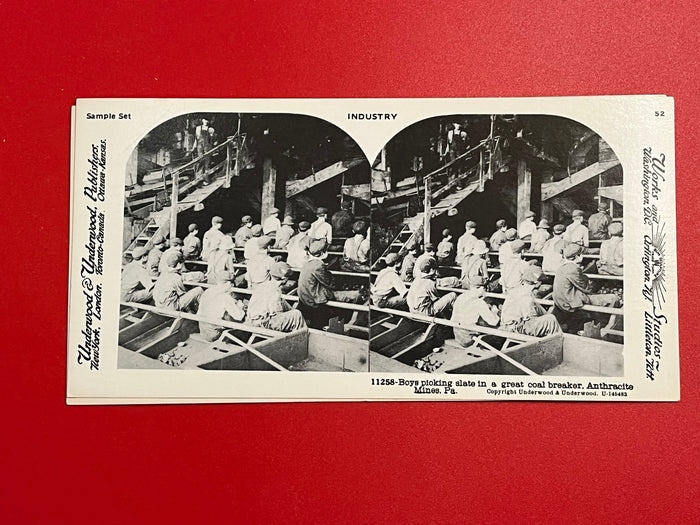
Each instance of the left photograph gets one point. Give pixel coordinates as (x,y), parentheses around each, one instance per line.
(245,246)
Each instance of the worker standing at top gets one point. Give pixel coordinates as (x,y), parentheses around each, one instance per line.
(285,233)
(298,247)
(540,237)
(342,220)
(245,232)
(527,227)
(212,237)
(576,232)
(136,284)
(320,229)
(612,252)
(192,245)
(355,258)
(466,243)
(272,224)
(268,309)
(499,236)
(552,257)
(598,223)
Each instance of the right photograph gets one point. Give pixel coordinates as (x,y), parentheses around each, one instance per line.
(497,248)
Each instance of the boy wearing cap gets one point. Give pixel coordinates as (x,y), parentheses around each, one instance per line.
(355,257)
(522,314)
(136,281)
(445,249)
(170,291)
(267,307)
(576,232)
(271,225)
(505,252)
(527,227)
(285,233)
(612,251)
(175,247)
(320,229)
(388,290)
(423,298)
(429,254)
(316,285)
(342,220)
(469,308)
(465,244)
(599,222)
(217,303)
(499,236)
(409,263)
(298,247)
(220,260)
(258,267)
(540,237)
(212,237)
(245,232)
(552,258)
(192,246)
(155,255)
(251,248)
(572,289)
(512,267)
(475,265)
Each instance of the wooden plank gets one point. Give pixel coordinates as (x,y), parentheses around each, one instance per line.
(553,189)
(294,187)
(524,190)
(268,189)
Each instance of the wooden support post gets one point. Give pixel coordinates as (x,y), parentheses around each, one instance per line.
(229,159)
(426,211)
(546,207)
(524,190)
(173,204)
(267,202)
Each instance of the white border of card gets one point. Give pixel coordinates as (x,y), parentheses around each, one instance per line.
(639,129)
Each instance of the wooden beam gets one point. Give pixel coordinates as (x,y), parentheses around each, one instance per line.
(524,190)
(554,189)
(427,200)
(294,187)
(268,190)
(546,208)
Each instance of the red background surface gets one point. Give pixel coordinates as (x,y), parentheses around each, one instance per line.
(362,462)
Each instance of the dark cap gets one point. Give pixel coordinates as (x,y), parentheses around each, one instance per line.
(256,230)
(428,265)
(217,220)
(288,221)
(544,224)
(603,206)
(531,274)
(470,224)
(246,219)
(577,213)
(172,259)
(280,270)
(176,241)
(500,223)
(429,247)
(304,225)
(445,232)
(192,227)
(321,211)
(559,228)
(358,227)
(274,211)
(511,234)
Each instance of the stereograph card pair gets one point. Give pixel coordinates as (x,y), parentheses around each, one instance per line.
(373,249)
